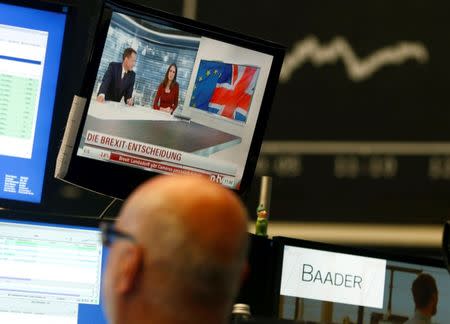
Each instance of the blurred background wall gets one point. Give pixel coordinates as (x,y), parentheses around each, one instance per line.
(358,142)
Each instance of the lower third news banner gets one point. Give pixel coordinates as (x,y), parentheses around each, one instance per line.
(333,277)
(156,158)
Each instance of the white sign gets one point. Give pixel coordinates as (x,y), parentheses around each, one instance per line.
(333,277)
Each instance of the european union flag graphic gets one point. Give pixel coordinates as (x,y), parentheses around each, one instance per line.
(224,89)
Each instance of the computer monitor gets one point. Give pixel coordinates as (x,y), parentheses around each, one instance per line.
(171,95)
(31,38)
(50,272)
(318,283)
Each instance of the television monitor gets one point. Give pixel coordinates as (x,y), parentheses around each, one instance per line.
(322,283)
(50,272)
(169,95)
(31,40)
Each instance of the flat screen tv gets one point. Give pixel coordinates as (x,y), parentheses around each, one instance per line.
(169,95)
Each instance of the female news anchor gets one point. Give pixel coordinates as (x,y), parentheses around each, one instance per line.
(166,98)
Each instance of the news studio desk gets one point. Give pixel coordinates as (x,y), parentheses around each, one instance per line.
(147,125)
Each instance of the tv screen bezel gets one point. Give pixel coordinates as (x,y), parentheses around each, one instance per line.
(117,180)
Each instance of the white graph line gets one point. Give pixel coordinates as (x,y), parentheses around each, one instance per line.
(358,69)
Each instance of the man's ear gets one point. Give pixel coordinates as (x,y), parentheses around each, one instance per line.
(130,264)
(435,298)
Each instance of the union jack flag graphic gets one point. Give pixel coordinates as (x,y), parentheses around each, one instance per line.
(224,89)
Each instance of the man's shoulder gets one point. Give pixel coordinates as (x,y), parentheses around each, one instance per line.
(115,65)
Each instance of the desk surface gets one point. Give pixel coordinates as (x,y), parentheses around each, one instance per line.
(159,128)
(120,111)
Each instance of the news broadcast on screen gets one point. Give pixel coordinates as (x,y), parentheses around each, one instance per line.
(169,101)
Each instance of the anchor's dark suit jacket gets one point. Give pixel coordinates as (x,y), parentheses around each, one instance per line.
(113,86)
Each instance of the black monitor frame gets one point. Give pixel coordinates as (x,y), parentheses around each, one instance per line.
(280,242)
(49,218)
(117,180)
(69,10)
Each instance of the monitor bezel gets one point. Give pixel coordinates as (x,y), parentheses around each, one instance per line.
(279,242)
(118,181)
(50,161)
(50,219)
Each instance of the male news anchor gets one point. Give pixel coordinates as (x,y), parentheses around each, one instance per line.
(118,81)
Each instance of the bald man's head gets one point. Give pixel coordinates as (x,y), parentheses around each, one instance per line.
(193,236)
(209,213)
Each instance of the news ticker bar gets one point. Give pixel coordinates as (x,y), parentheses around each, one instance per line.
(156,165)
(146,150)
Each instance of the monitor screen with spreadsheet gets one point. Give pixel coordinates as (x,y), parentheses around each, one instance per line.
(323,283)
(170,95)
(50,273)
(30,49)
